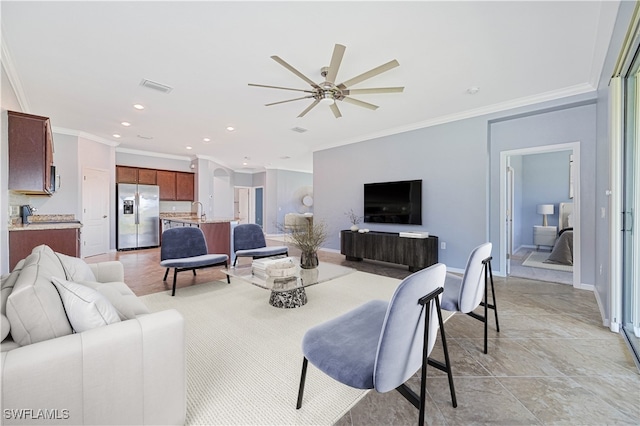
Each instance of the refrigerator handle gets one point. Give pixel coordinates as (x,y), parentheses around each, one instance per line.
(137,203)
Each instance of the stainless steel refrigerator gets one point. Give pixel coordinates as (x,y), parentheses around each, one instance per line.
(138,216)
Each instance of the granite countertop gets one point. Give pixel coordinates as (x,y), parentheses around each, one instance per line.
(46,222)
(195,220)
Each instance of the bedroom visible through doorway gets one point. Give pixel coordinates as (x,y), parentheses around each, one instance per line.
(540,210)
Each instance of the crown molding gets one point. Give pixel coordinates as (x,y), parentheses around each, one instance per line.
(12,74)
(84,135)
(579,89)
(153,154)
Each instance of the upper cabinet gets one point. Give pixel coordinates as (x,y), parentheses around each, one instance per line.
(174,186)
(167,183)
(30,154)
(125,174)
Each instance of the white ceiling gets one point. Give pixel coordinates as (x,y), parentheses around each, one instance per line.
(81,63)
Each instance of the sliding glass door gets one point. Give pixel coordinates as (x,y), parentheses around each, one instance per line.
(631,212)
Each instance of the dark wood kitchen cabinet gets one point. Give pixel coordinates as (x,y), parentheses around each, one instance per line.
(30,153)
(184,186)
(21,243)
(167,183)
(126,174)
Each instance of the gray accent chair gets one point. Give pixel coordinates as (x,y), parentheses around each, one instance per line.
(464,294)
(248,241)
(185,249)
(380,345)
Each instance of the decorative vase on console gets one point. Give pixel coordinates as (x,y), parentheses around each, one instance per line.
(354,219)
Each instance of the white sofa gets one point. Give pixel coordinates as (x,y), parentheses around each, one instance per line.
(78,347)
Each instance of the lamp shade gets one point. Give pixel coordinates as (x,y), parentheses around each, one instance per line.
(545,208)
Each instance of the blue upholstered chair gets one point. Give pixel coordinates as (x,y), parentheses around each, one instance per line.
(464,294)
(380,345)
(185,249)
(248,241)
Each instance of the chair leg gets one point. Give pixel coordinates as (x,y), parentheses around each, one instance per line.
(165,274)
(175,273)
(226,266)
(493,297)
(194,272)
(447,362)
(303,377)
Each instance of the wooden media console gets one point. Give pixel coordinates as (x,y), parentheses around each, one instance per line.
(416,253)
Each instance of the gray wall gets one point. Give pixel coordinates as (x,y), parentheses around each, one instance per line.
(451,161)
(283,194)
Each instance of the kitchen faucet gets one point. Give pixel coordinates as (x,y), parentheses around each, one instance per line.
(203,216)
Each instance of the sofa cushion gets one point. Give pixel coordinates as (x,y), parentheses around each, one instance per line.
(85,307)
(76,269)
(34,307)
(121,297)
(5,327)
(6,285)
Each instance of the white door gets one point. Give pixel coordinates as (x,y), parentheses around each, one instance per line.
(95,212)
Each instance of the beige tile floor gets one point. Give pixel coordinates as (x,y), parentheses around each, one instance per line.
(552,362)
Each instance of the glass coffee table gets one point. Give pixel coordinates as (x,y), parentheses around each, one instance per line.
(289,292)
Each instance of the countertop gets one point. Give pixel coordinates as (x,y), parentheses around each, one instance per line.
(45,226)
(197,221)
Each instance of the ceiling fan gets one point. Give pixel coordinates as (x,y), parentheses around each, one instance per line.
(328,92)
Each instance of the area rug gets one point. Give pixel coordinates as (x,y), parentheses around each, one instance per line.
(244,356)
(536,260)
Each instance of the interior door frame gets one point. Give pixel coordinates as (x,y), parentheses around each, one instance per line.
(504,157)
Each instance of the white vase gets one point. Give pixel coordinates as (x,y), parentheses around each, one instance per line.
(354,227)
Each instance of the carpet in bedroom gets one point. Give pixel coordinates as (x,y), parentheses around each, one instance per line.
(244,356)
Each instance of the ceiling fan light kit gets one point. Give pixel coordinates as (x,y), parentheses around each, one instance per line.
(327,92)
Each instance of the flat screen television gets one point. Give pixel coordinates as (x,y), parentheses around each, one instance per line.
(393,202)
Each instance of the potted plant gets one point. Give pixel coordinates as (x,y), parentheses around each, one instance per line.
(354,219)
(308,239)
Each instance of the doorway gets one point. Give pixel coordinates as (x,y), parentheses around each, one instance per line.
(242,205)
(525,251)
(95,212)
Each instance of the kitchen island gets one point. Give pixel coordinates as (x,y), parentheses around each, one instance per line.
(217,232)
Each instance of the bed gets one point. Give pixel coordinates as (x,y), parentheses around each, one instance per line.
(562,252)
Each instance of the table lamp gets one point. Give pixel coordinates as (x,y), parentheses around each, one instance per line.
(544,210)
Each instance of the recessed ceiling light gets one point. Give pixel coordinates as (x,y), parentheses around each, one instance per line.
(473,90)
(206,140)
(138,106)
(230,128)
(189,147)
(126,124)
(115,135)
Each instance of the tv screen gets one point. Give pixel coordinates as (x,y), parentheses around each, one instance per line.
(393,202)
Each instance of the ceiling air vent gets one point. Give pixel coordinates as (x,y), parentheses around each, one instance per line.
(299,129)
(156,86)
(145,137)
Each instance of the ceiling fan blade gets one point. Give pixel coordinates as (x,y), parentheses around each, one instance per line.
(335,110)
(372,91)
(278,87)
(336,59)
(295,71)
(289,100)
(309,108)
(371,73)
(360,103)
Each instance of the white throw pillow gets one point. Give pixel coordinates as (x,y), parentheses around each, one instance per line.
(76,269)
(85,307)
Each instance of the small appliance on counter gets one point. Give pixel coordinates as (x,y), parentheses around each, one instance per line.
(25,212)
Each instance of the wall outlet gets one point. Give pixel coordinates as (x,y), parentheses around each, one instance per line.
(173,208)
(443,245)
